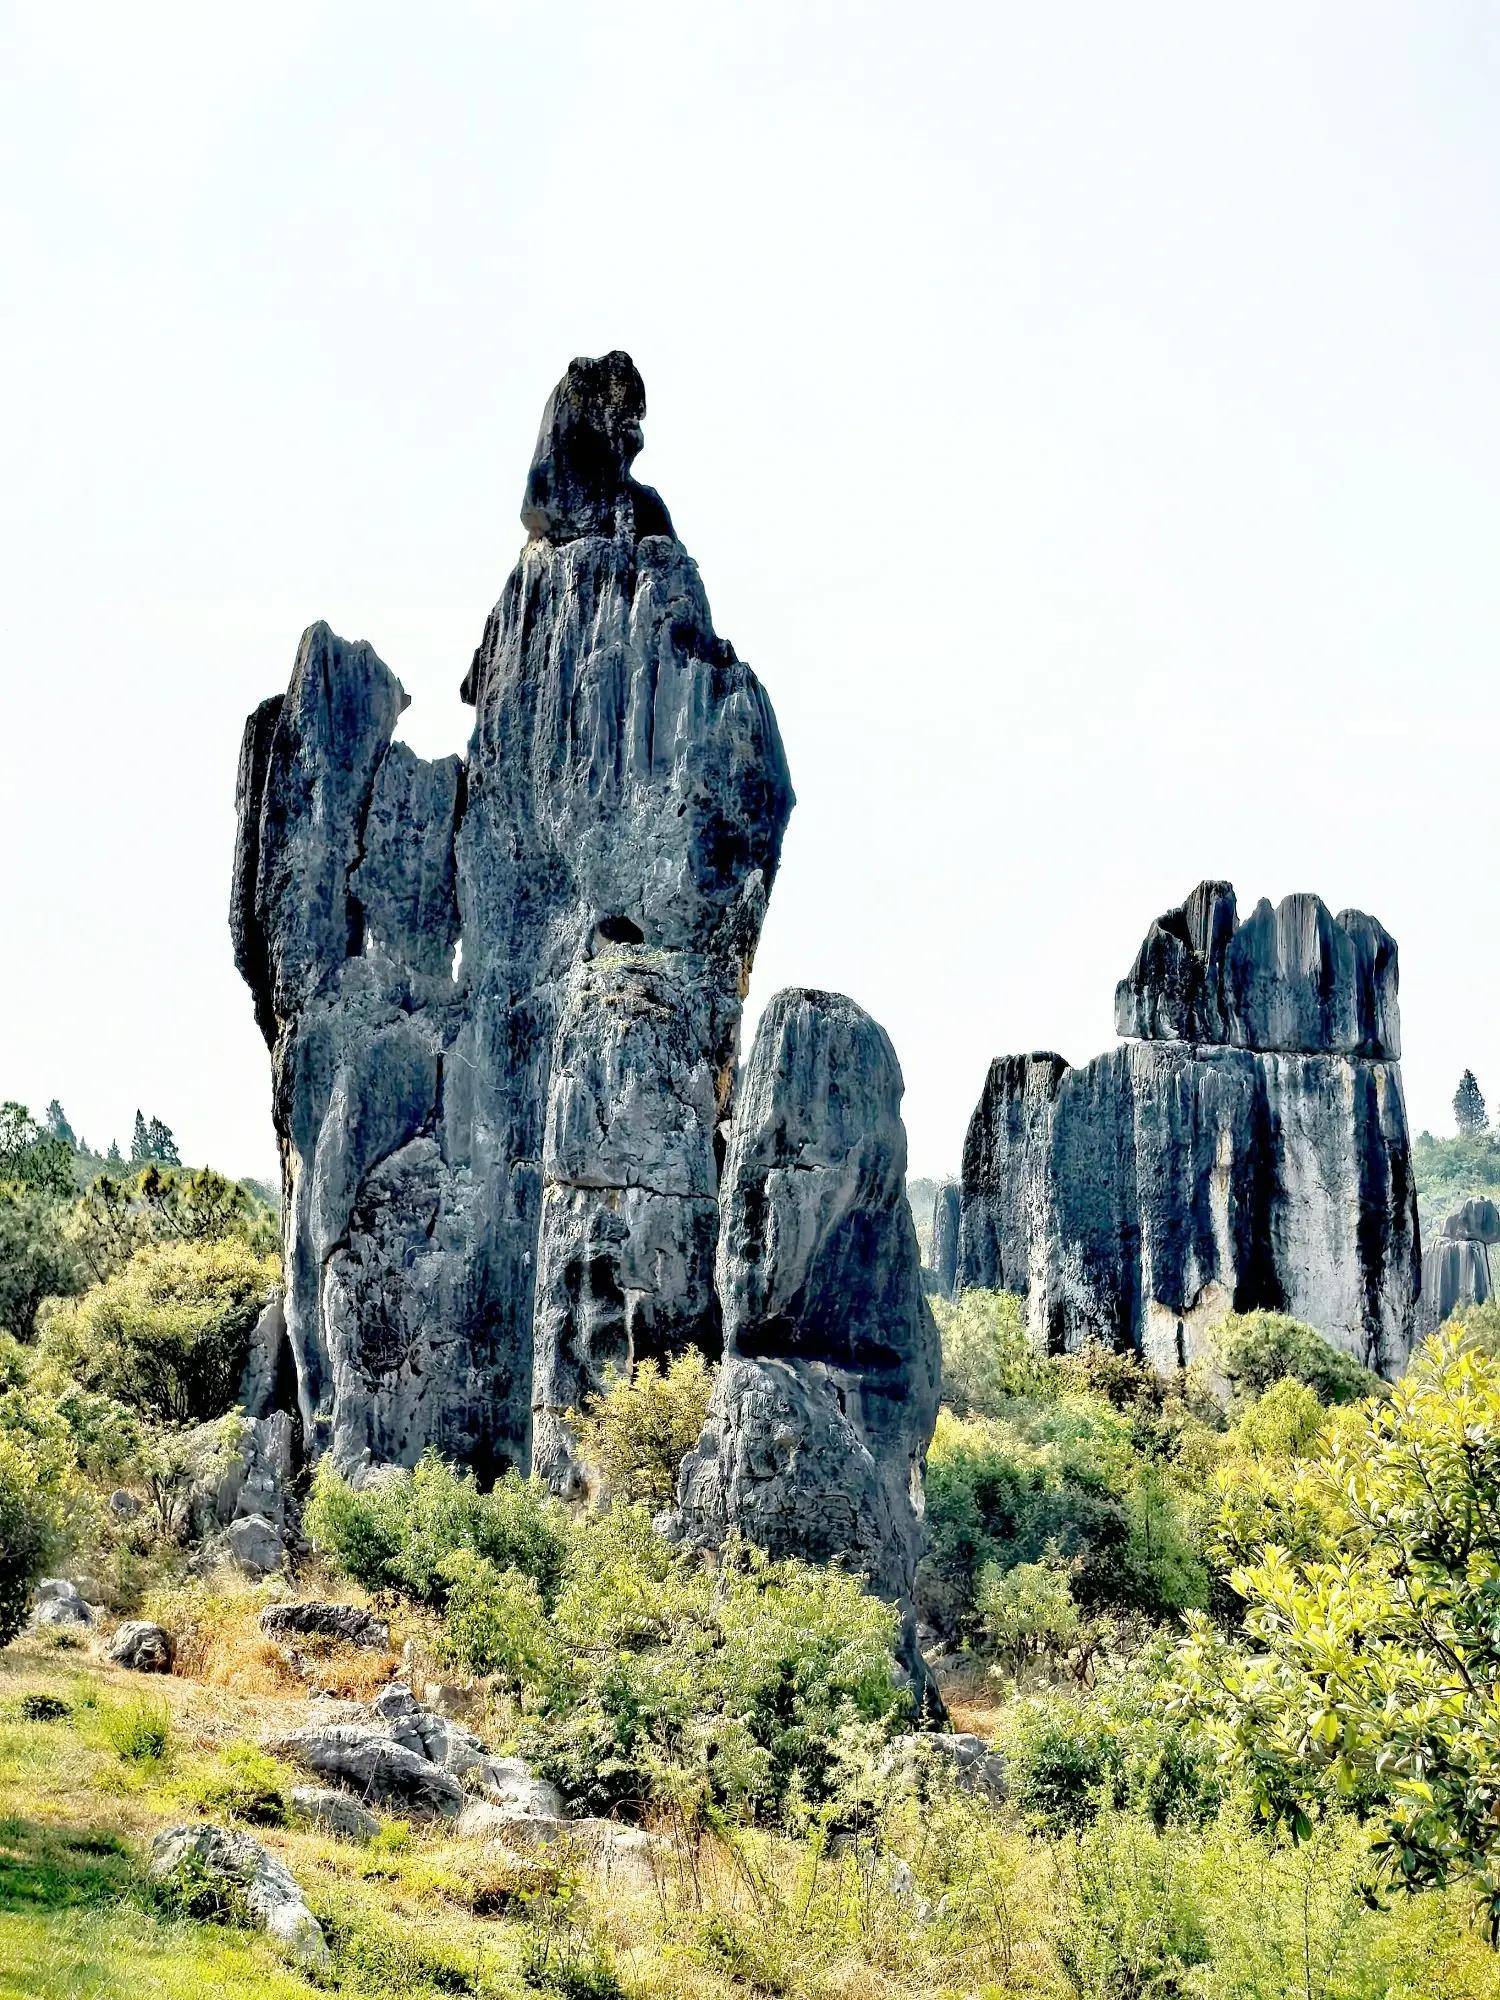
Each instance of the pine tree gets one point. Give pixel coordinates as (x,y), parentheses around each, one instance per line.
(1468,1106)
(113,1156)
(58,1126)
(163,1146)
(140,1142)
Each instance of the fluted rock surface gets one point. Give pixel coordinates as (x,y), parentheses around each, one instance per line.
(1456,1270)
(503,995)
(818,1430)
(1219,1164)
(947,1213)
(1294,978)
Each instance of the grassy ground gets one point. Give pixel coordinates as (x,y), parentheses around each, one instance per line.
(961,1905)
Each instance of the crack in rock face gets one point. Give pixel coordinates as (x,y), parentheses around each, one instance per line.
(1247,1148)
(502,995)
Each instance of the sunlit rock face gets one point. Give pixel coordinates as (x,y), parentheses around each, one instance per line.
(503,995)
(825,1403)
(1249,1149)
(1456,1269)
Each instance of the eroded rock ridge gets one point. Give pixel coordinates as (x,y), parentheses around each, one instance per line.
(1248,1148)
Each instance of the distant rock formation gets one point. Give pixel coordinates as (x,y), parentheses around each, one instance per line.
(502,996)
(821,1417)
(947,1215)
(1249,1150)
(1456,1268)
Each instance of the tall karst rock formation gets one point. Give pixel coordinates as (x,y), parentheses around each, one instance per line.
(502,996)
(1247,1147)
(817,1435)
(1456,1269)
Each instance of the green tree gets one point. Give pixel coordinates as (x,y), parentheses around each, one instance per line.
(36,1260)
(39,1500)
(169,1332)
(1468,1106)
(1256,1349)
(638,1434)
(1373,1670)
(31,1158)
(140,1140)
(58,1126)
(114,1156)
(163,1147)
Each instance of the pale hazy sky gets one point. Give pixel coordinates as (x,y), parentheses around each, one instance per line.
(1086,418)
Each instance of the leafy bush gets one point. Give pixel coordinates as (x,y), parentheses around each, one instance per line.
(1060,1479)
(1373,1670)
(399,1532)
(36,1260)
(1028,1612)
(638,1434)
(119,1215)
(41,1504)
(169,1333)
(247,1785)
(1256,1349)
(988,1356)
(494,1622)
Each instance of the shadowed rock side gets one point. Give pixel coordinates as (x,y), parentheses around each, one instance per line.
(1456,1269)
(503,997)
(947,1211)
(818,1430)
(1137,1199)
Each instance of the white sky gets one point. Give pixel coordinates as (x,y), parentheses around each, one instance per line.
(1086,419)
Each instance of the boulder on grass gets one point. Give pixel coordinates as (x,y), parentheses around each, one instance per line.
(916,1759)
(142,1647)
(219,1873)
(59,1602)
(334,1812)
(375,1767)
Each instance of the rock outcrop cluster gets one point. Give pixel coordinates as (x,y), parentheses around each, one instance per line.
(818,1429)
(502,996)
(1248,1148)
(1456,1268)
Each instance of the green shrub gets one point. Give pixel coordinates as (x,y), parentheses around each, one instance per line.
(36,1260)
(168,1334)
(1254,1350)
(1027,1612)
(638,1434)
(41,1503)
(988,1356)
(400,1532)
(494,1621)
(247,1785)
(138,1729)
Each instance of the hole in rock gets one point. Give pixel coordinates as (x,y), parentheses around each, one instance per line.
(619,930)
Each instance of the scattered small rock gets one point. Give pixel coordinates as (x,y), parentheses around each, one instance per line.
(142,1647)
(124,1505)
(334,1811)
(209,1866)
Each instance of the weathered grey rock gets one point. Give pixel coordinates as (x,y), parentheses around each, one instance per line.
(212,1861)
(1292,979)
(59,1602)
(369,1762)
(254,1545)
(580,482)
(1478,1221)
(922,1759)
(503,997)
(947,1215)
(1137,1199)
(244,1467)
(142,1647)
(818,1429)
(1456,1270)
(125,1506)
(334,1812)
(512,1787)
(350,1624)
(267,1381)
